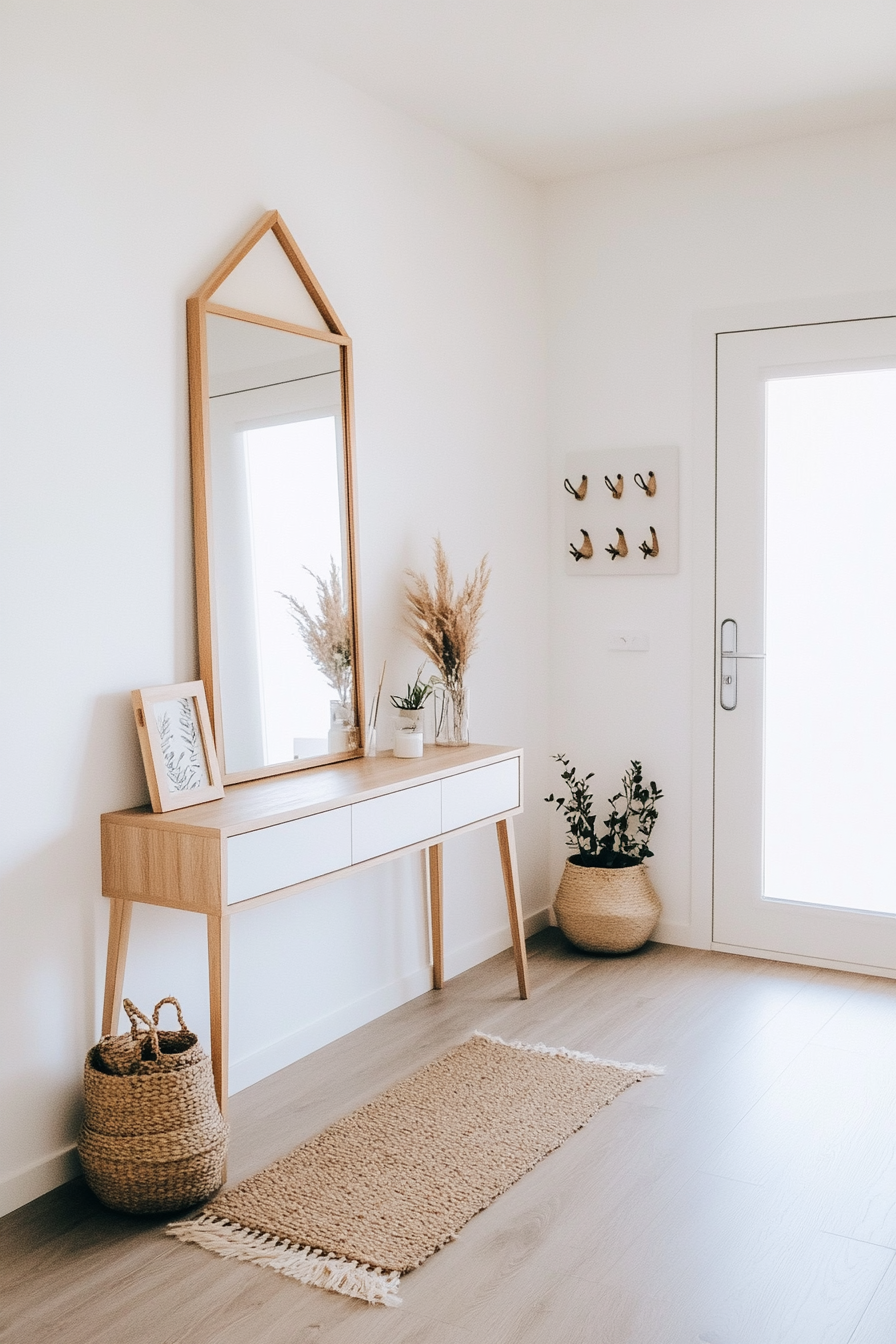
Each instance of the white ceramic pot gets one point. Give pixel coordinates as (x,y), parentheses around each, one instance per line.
(408,744)
(411,720)
(606,909)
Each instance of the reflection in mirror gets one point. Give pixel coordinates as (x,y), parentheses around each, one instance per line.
(281,569)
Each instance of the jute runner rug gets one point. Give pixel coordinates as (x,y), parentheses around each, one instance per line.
(376,1193)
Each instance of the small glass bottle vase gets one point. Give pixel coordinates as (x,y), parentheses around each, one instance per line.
(452,711)
(343,734)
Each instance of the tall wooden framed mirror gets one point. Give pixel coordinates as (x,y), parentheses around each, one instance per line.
(271,430)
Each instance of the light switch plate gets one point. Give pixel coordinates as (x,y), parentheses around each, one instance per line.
(628,641)
(603,518)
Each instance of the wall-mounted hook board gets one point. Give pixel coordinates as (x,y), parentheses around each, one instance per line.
(634,513)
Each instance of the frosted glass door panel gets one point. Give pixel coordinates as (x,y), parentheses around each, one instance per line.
(830,709)
(805,715)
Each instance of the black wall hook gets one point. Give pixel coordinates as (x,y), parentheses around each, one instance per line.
(652,550)
(579,493)
(621,547)
(586,550)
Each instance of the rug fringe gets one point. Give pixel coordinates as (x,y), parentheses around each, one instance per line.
(646,1070)
(318,1268)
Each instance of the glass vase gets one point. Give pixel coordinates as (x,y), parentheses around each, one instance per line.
(452,711)
(343,734)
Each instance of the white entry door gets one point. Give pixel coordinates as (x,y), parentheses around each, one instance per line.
(805,764)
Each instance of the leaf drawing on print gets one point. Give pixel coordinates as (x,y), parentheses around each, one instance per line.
(181,748)
(190,736)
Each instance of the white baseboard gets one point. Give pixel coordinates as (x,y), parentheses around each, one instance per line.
(794,959)
(540,920)
(679,935)
(463,958)
(252,1068)
(38,1179)
(64,1166)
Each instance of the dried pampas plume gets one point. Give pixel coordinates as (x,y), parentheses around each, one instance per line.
(443,624)
(328,635)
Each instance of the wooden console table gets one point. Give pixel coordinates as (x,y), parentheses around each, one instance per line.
(275,837)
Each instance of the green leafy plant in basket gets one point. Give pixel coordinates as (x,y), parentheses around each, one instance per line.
(625,842)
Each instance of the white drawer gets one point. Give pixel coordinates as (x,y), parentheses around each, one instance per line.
(277,856)
(480,793)
(396,819)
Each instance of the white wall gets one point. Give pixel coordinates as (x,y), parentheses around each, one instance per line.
(802,230)
(139,144)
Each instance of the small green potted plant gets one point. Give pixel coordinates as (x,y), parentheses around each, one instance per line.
(606,901)
(412,705)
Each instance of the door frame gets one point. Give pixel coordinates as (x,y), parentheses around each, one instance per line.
(707,326)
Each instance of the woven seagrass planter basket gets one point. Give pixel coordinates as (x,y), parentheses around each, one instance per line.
(606,909)
(153,1138)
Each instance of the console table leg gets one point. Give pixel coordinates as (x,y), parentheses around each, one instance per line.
(219,1000)
(435,906)
(119,931)
(507,846)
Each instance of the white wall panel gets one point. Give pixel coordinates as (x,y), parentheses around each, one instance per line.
(143,140)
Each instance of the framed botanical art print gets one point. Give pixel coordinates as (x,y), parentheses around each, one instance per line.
(176,741)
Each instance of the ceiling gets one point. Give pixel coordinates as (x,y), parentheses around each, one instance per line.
(553,88)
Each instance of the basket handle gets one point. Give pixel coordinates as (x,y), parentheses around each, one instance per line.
(180,1017)
(134,1013)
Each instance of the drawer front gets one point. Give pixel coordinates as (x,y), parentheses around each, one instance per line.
(480,793)
(380,825)
(277,856)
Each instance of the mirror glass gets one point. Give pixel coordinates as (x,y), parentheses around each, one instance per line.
(279,546)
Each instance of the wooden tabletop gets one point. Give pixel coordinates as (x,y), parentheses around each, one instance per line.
(279,798)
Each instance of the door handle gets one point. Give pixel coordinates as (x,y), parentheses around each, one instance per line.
(729,660)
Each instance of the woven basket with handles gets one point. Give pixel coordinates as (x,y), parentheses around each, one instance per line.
(153,1138)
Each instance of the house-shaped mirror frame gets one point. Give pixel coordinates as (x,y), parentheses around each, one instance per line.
(199,305)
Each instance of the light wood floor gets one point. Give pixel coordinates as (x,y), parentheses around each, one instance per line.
(746,1197)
